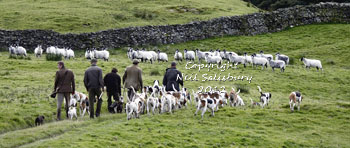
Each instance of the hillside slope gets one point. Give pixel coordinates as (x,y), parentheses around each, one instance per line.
(94,15)
(322,122)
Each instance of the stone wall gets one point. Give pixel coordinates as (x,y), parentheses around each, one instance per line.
(252,24)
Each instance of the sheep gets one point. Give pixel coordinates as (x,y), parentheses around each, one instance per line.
(312,63)
(217,53)
(213,59)
(162,56)
(61,52)
(51,50)
(248,59)
(136,55)
(130,53)
(18,50)
(259,61)
(222,54)
(38,51)
(201,55)
(189,55)
(277,64)
(104,54)
(265,55)
(154,54)
(89,54)
(178,55)
(282,57)
(144,56)
(12,50)
(227,54)
(69,54)
(237,60)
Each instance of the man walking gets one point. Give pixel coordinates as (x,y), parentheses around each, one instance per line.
(133,77)
(112,81)
(172,77)
(64,85)
(93,83)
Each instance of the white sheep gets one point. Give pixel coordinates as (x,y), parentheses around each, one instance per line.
(259,61)
(18,50)
(178,55)
(136,55)
(265,55)
(61,52)
(201,55)
(38,51)
(217,53)
(237,60)
(12,50)
(130,53)
(104,54)
(213,59)
(154,54)
(248,59)
(51,50)
(277,64)
(144,56)
(312,63)
(89,54)
(227,54)
(189,55)
(222,54)
(162,56)
(282,57)
(69,54)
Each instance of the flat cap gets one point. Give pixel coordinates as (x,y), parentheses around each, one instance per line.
(135,61)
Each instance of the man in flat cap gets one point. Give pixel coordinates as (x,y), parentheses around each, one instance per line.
(112,82)
(94,85)
(172,77)
(133,77)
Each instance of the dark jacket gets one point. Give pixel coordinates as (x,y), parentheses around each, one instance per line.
(133,77)
(171,77)
(64,81)
(112,82)
(93,77)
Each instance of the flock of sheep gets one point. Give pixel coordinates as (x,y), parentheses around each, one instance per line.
(218,56)
(67,53)
(211,57)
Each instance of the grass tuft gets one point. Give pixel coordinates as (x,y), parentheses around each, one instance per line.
(53,57)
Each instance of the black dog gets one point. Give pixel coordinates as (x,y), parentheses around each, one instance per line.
(39,120)
(118,106)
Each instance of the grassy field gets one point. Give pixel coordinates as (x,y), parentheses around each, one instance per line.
(324,119)
(95,15)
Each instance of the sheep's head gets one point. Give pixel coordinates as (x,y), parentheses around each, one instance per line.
(302,59)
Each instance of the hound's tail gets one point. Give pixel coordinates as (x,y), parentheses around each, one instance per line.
(251,101)
(259,89)
(239,90)
(133,89)
(152,94)
(174,88)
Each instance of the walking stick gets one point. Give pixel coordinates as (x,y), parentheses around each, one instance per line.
(100,96)
(124,92)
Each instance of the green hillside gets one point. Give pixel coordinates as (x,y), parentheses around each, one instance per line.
(322,122)
(94,15)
